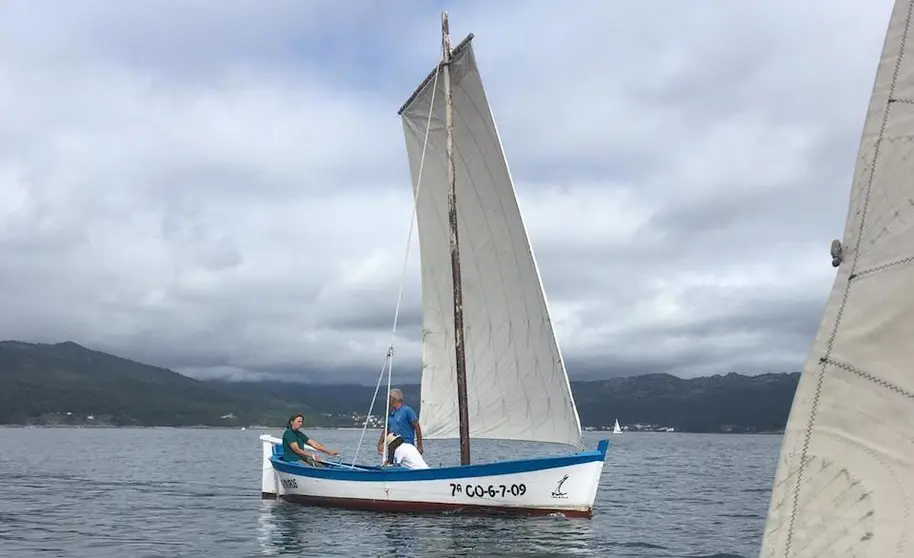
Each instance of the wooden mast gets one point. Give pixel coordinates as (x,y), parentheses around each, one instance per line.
(455,249)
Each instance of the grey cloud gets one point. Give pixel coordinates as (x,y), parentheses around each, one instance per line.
(369,314)
(223,189)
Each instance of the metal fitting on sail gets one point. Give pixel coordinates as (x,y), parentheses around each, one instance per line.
(837,253)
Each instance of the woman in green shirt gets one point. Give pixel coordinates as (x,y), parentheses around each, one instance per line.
(294,440)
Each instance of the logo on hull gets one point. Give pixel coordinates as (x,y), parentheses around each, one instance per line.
(557,493)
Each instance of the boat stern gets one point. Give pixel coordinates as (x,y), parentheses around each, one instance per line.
(268,482)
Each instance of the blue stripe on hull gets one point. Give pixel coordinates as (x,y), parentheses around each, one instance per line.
(396,474)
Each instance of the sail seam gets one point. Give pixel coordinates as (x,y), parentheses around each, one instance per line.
(517,257)
(882,267)
(814,407)
(501,271)
(556,346)
(867,376)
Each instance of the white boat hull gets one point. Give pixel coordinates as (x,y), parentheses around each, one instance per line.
(564,485)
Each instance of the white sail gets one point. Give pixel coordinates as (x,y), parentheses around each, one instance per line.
(845,478)
(517,388)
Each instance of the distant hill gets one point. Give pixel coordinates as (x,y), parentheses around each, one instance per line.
(721,403)
(41,384)
(67,383)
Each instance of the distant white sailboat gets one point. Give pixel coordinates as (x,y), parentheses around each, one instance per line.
(845,476)
(616,428)
(492,345)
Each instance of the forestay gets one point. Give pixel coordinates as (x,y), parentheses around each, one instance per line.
(517,388)
(845,479)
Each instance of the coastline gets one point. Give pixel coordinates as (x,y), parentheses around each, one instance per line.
(261,428)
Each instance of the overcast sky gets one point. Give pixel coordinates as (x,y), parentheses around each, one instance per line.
(223,188)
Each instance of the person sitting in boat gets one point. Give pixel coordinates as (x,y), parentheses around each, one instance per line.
(294,440)
(404,454)
(402,421)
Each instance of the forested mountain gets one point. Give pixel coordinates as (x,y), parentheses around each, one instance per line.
(70,384)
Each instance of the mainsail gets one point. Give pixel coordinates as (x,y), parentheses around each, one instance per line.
(845,478)
(517,387)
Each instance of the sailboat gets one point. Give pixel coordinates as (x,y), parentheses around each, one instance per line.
(844,484)
(491,365)
(616,428)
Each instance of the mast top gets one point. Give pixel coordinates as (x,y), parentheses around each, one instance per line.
(431,75)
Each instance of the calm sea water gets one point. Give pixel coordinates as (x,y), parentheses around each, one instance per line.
(196,492)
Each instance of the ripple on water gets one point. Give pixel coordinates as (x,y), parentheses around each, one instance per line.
(177,492)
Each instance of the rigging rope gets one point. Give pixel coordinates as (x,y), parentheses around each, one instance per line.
(388,361)
(367,418)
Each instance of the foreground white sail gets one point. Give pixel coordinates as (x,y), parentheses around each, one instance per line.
(845,479)
(516,384)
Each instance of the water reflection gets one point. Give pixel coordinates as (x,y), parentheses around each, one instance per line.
(286,529)
(278,529)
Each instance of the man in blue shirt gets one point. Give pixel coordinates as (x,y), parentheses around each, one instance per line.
(402,421)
